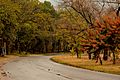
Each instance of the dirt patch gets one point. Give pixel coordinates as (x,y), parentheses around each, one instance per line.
(3,61)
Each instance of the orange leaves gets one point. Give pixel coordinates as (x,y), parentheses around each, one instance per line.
(109,33)
(109,19)
(82,49)
(99,29)
(97,32)
(104,33)
(85,45)
(89,40)
(114,27)
(94,45)
(117,21)
(107,45)
(93,41)
(102,37)
(84,41)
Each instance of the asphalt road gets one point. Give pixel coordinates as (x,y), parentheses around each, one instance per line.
(42,68)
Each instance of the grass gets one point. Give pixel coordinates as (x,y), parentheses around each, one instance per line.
(85,63)
(26,54)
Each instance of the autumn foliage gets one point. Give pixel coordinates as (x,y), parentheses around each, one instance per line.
(103,37)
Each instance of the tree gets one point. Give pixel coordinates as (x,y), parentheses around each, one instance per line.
(68,29)
(103,37)
(89,10)
(27,25)
(8,21)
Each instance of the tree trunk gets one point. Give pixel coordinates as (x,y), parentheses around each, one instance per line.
(53,47)
(89,55)
(59,46)
(94,56)
(105,55)
(100,59)
(7,48)
(65,45)
(76,50)
(113,57)
(46,46)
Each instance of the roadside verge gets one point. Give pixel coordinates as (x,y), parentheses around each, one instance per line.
(85,63)
(3,61)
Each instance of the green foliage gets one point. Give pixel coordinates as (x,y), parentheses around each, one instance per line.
(32,26)
(72,51)
(26,25)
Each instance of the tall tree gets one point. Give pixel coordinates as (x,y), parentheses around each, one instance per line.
(8,21)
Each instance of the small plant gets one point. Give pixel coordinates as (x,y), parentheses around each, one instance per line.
(72,51)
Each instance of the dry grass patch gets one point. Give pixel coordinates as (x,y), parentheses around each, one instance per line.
(4,60)
(7,58)
(85,63)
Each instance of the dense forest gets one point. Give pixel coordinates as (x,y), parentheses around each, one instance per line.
(28,25)
(78,26)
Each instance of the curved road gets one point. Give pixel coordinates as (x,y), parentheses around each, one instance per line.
(42,68)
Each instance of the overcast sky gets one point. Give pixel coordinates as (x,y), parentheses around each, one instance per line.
(53,2)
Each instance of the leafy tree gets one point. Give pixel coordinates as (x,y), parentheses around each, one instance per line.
(8,21)
(104,36)
(27,25)
(68,29)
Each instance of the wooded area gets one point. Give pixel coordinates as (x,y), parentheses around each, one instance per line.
(28,25)
(78,26)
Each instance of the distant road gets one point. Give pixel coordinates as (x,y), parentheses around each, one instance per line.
(42,68)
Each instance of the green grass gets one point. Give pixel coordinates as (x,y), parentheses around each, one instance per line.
(85,63)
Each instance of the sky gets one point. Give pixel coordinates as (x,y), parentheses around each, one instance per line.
(53,2)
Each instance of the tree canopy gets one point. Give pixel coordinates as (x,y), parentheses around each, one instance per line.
(76,25)
(26,25)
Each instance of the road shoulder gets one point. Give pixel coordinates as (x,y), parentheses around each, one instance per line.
(3,61)
(85,63)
